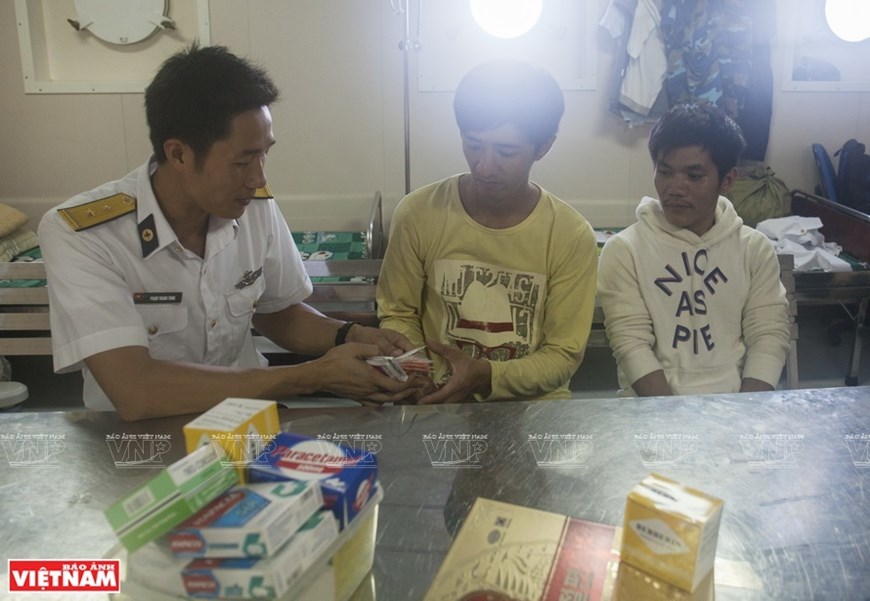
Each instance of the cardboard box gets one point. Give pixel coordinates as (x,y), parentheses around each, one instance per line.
(634,585)
(670,531)
(247,521)
(242,427)
(513,552)
(346,476)
(269,577)
(175,494)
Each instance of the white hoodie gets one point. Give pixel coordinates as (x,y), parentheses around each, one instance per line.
(708,310)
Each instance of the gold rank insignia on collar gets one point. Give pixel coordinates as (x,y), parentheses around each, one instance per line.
(263,193)
(95,212)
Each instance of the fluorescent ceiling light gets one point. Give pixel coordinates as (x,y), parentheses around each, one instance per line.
(506,18)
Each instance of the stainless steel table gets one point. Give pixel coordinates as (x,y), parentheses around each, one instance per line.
(793,468)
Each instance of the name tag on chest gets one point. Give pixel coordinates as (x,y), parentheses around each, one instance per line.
(156,298)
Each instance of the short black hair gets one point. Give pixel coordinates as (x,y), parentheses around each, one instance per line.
(698,124)
(197,93)
(511,91)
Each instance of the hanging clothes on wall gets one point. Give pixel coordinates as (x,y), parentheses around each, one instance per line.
(754,119)
(709,49)
(647,63)
(636,92)
(716,51)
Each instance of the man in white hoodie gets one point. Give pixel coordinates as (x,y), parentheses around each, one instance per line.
(692,298)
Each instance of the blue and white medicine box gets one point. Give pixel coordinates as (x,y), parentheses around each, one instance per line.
(346,476)
(247,521)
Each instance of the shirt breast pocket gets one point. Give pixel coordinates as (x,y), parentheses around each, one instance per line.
(165,325)
(241,305)
(243,302)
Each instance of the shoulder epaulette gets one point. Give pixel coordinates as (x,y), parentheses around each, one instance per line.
(95,212)
(263,193)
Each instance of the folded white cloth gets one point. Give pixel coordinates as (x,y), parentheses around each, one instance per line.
(813,259)
(800,237)
(804,230)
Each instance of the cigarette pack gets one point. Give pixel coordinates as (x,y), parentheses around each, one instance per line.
(399,367)
(175,494)
(346,476)
(269,577)
(506,551)
(242,427)
(247,521)
(670,531)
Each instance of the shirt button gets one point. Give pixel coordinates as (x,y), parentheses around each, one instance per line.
(152,330)
(212,323)
(178,249)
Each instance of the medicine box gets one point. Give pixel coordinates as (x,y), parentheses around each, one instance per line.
(175,494)
(250,578)
(333,573)
(247,521)
(670,531)
(346,476)
(156,568)
(242,427)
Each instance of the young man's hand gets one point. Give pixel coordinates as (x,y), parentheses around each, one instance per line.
(653,384)
(469,376)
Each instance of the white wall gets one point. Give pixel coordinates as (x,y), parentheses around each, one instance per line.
(340,127)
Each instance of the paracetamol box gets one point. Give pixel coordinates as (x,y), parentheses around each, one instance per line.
(247,521)
(670,531)
(250,578)
(346,476)
(175,494)
(242,427)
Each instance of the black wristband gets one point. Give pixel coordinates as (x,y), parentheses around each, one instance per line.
(341,334)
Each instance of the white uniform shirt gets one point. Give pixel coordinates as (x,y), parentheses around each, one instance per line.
(129,282)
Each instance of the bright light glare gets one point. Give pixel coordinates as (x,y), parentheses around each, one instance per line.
(849,19)
(506,18)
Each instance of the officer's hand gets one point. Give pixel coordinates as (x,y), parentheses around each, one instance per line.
(346,373)
(388,341)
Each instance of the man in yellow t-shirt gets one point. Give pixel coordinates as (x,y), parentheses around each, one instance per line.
(489,270)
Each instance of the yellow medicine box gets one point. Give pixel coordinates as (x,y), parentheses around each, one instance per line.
(670,531)
(241,427)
